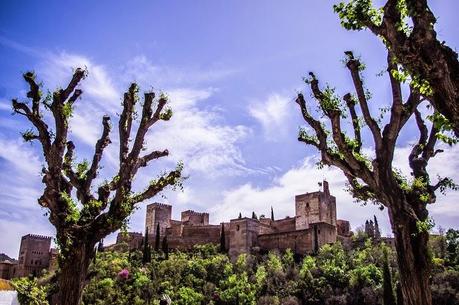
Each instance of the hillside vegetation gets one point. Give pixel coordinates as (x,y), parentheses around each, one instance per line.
(364,275)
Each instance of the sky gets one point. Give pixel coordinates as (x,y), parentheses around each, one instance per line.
(232,70)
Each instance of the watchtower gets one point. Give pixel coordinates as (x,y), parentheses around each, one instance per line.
(158,213)
(33,254)
(316,207)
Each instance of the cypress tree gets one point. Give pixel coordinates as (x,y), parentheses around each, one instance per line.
(254,216)
(158,238)
(165,247)
(388,292)
(240,215)
(146,249)
(222,240)
(377,231)
(272,214)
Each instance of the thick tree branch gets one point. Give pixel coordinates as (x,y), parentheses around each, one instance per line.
(157,186)
(334,114)
(353,66)
(316,125)
(148,119)
(143,161)
(40,125)
(78,75)
(67,165)
(125,123)
(34,92)
(100,146)
(350,102)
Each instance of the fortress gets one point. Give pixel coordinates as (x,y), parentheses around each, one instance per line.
(313,225)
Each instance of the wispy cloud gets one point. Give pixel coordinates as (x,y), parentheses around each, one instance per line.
(196,136)
(56,69)
(20,188)
(272,114)
(142,70)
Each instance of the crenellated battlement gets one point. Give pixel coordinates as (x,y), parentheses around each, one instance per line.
(191,212)
(158,205)
(36,236)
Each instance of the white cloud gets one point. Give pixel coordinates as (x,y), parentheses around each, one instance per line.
(272,114)
(57,71)
(20,187)
(142,70)
(5,105)
(23,160)
(196,136)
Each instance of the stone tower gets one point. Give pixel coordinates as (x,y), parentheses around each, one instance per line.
(243,235)
(33,254)
(158,213)
(316,207)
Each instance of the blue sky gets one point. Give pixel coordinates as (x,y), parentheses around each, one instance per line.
(232,70)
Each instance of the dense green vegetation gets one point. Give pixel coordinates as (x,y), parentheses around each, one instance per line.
(365,275)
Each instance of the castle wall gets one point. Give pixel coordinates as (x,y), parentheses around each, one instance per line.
(193,235)
(33,254)
(134,240)
(175,229)
(285,225)
(299,242)
(326,234)
(343,228)
(194,218)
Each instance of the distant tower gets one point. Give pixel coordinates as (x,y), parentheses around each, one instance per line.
(315,207)
(158,213)
(367,228)
(370,228)
(34,254)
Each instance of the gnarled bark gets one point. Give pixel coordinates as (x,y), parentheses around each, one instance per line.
(413,259)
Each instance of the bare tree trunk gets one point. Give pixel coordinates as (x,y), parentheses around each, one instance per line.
(413,259)
(72,277)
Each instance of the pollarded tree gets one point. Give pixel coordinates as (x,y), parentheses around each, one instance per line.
(407,29)
(82,213)
(375,179)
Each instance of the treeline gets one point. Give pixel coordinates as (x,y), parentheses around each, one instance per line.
(364,275)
